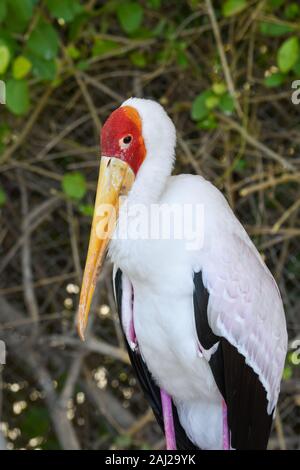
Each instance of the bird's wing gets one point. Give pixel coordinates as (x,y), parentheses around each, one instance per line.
(149,387)
(241,329)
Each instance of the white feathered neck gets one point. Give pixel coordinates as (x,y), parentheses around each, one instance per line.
(160,139)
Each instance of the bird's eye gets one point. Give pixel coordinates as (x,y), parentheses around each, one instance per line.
(127,139)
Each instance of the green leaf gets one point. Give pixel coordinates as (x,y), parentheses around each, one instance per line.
(274,80)
(226,104)
(130,16)
(82,65)
(86,209)
(43,69)
(288,54)
(4,58)
(21,67)
(274,4)
(209,123)
(65,9)
(287,373)
(181,56)
(296,67)
(2,197)
(73,52)
(240,165)
(159,28)
(138,59)
(199,110)
(8,41)
(5,133)
(19,12)
(274,29)
(155,4)
(289,358)
(75,28)
(17,96)
(3,10)
(212,102)
(292,11)
(182,59)
(35,421)
(219,88)
(102,47)
(74,185)
(43,41)
(232,7)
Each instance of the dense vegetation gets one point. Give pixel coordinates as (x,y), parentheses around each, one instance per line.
(224,71)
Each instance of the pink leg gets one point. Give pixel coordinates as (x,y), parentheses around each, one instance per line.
(166,403)
(225,427)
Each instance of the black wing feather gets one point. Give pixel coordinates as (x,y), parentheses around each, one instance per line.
(149,387)
(244,394)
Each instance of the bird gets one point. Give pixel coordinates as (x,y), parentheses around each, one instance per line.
(202,315)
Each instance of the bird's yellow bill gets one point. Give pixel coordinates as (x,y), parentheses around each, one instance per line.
(115,180)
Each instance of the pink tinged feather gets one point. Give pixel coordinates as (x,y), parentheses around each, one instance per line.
(247,312)
(127,313)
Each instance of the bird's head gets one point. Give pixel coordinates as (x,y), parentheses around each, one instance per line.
(122,137)
(136,137)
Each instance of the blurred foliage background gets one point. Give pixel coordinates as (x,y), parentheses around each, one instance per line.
(224,72)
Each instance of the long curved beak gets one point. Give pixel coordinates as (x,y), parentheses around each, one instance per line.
(115,179)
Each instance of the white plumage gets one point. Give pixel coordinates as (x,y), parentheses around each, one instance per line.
(244,302)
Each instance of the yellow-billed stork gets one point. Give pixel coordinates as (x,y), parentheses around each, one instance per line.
(205,327)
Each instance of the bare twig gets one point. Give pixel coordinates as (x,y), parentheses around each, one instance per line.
(269,183)
(74,241)
(222,55)
(25,354)
(286,215)
(92,345)
(28,126)
(45,209)
(120,418)
(255,143)
(29,294)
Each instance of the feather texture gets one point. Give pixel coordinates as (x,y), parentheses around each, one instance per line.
(241,305)
(209,322)
(147,383)
(246,399)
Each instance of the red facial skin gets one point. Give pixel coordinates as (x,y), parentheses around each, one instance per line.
(123,122)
